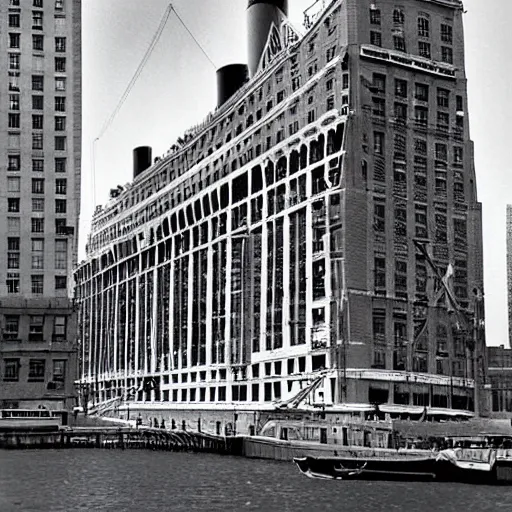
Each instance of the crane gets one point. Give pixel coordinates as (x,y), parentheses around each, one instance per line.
(472,323)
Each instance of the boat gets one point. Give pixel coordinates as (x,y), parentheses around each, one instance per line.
(478,465)
(339,471)
(268,250)
(31,420)
(343,468)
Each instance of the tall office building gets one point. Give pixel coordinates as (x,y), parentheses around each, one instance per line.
(40,148)
(322,223)
(509,271)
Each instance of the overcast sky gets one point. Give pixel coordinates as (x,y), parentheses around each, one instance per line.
(178,88)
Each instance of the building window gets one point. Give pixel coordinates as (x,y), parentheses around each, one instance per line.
(60,124)
(443,98)
(37,122)
(379,107)
(60,64)
(399,43)
(441,152)
(447,54)
(60,44)
(375,16)
(59,328)
(14,20)
(421,93)
(401,112)
(14,84)
(14,121)
(375,38)
(12,325)
(421,115)
(458,155)
(14,101)
(13,283)
(13,253)
(380,273)
(13,163)
(37,82)
(37,186)
(424,49)
(60,104)
(38,42)
(446,33)
(398,16)
(60,143)
(38,3)
(60,206)
(13,184)
(36,370)
(11,370)
(37,284)
(60,84)
(311,116)
(443,121)
(379,83)
(37,102)
(61,254)
(38,204)
(38,225)
(61,227)
(60,165)
(14,61)
(61,186)
(37,20)
(37,253)
(36,328)
(401,88)
(61,282)
(37,165)
(37,141)
(13,204)
(59,370)
(423,27)
(378,143)
(59,5)
(14,41)
(13,225)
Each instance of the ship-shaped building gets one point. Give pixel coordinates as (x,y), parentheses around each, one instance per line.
(323,221)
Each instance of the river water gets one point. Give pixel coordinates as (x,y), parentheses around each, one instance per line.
(144,481)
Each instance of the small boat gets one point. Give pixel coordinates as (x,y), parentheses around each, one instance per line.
(340,472)
(336,468)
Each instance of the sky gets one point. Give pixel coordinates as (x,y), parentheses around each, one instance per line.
(177,89)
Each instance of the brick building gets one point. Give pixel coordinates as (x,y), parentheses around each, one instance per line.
(500,378)
(40,144)
(323,220)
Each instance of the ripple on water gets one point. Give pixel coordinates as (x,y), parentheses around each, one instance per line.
(140,481)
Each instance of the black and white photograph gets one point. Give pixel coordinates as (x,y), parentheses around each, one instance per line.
(255,255)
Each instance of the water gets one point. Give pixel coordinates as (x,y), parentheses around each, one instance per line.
(143,481)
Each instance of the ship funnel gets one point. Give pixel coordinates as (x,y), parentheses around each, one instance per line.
(141,160)
(260,16)
(229,80)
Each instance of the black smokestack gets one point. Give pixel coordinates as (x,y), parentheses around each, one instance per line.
(141,160)
(229,80)
(260,16)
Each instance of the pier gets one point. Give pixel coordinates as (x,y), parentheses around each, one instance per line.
(122,438)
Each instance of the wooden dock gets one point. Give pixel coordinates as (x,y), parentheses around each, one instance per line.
(122,438)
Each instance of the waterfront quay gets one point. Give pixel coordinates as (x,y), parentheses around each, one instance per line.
(121,438)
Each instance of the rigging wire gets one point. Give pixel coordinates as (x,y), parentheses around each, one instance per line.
(192,36)
(140,68)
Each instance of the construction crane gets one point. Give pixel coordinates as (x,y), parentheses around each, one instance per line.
(472,323)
